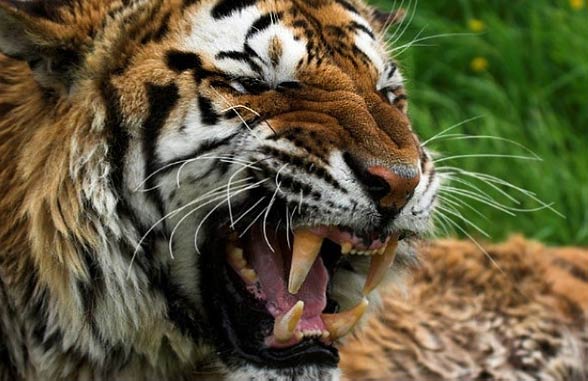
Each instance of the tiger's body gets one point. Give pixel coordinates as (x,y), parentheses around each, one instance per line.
(199,189)
(461,317)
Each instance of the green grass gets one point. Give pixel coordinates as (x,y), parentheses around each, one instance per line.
(534,91)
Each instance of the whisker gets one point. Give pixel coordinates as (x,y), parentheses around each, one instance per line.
(486,155)
(222,159)
(398,26)
(191,212)
(212,193)
(288,226)
(442,133)
(269,208)
(461,217)
(253,222)
(416,40)
(229,187)
(229,196)
(405,27)
(476,197)
(457,203)
(473,186)
(490,137)
(463,231)
(247,212)
(488,179)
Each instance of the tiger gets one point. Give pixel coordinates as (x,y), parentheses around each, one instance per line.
(199,189)
(517,310)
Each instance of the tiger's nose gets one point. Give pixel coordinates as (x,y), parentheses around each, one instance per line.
(391,187)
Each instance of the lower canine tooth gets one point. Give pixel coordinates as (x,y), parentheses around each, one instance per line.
(306,248)
(379,265)
(285,325)
(340,324)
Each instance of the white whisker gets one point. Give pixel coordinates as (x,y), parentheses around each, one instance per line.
(252,186)
(442,133)
(247,212)
(486,155)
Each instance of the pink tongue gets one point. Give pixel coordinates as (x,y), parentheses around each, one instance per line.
(272,269)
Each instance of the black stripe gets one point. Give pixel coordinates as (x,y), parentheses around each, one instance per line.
(261,24)
(226,7)
(92,289)
(119,137)
(162,99)
(304,164)
(207,114)
(188,3)
(118,143)
(179,62)
(572,268)
(345,4)
(182,61)
(204,148)
(363,28)
(239,56)
(163,28)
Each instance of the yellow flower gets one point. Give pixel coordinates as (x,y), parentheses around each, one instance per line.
(577,4)
(477,25)
(479,64)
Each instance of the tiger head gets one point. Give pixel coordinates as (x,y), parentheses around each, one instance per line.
(229,177)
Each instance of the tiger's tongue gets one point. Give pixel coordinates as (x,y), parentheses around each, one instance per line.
(272,268)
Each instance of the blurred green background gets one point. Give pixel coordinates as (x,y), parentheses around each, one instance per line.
(520,68)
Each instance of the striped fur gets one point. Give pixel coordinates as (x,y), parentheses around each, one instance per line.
(117,117)
(463,318)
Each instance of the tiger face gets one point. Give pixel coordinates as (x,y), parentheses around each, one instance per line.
(247,168)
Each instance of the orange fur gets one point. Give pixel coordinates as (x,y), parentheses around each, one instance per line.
(465,316)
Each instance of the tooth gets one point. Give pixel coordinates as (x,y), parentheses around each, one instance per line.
(353,252)
(340,324)
(379,265)
(285,325)
(346,248)
(306,248)
(236,256)
(250,275)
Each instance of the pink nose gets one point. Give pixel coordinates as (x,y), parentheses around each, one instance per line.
(391,187)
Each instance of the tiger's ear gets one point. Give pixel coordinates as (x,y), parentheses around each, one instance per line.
(383,20)
(48,47)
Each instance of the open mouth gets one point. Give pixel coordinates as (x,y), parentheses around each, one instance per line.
(273,305)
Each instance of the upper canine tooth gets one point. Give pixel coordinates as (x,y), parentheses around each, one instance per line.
(379,265)
(306,248)
(346,248)
(285,325)
(340,324)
